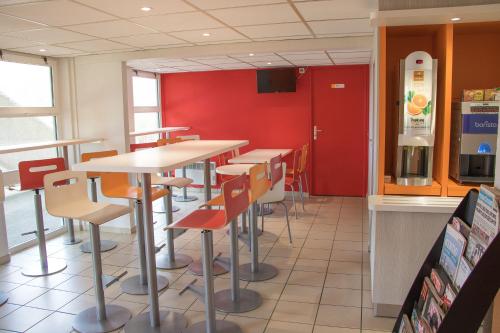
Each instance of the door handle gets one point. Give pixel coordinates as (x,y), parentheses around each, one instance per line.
(316,130)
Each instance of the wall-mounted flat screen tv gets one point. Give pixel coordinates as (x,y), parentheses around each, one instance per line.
(276,80)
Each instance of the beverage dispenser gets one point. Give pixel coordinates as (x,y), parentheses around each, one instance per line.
(417,116)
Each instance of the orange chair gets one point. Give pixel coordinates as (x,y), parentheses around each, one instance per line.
(116,185)
(301,171)
(293,180)
(106,245)
(235,199)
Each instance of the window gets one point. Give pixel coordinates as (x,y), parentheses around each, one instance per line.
(25,85)
(146,106)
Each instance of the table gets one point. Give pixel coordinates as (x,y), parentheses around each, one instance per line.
(52,144)
(259,156)
(166,130)
(159,160)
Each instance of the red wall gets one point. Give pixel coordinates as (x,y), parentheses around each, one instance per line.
(226,105)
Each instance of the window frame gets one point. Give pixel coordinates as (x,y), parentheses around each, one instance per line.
(6,111)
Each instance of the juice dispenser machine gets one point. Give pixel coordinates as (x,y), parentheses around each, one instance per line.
(417,116)
(474,141)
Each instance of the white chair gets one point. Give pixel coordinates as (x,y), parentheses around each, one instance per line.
(276,193)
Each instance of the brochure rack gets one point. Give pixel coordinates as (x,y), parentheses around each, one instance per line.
(479,290)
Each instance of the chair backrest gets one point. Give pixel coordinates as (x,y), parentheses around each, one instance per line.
(112,180)
(139,146)
(97,154)
(235,196)
(303,158)
(31,173)
(64,187)
(259,181)
(169,141)
(296,163)
(224,158)
(276,170)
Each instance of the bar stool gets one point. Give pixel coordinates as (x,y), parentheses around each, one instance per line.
(3,298)
(106,245)
(235,198)
(185,197)
(31,175)
(301,172)
(276,193)
(293,180)
(169,260)
(116,185)
(70,200)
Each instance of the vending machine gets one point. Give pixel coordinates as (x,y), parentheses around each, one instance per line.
(417,116)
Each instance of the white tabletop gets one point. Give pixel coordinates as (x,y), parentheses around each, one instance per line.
(160,130)
(260,155)
(45,144)
(161,159)
(413,204)
(234,169)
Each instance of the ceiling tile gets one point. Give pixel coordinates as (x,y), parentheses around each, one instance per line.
(240,65)
(271,64)
(214,4)
(50,35)
(15,2)
(132,8)
(278,13)
(110,29)
(352,61)
(258,58)
(10,42)
(275,30)
(179,22)
(312,62)
(221,34)
(50,50)
(56,13)
(149,40)
(347,55)
(216,60)
(9,23)
(318,55)
(174,62)
(167,70)
(96,45)
(341,27)
(335,9)
(198,68)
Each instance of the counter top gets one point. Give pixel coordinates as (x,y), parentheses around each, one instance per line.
(413,204)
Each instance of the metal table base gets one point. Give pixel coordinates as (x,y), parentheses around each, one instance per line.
(164,261)
(170,322)
(196,268)
(221,326)
(87,321)
(133,285)
(3,298)
(38,269)
(106,245)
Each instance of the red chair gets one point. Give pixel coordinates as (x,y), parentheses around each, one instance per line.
(31,175)
(294,179)
(236,201)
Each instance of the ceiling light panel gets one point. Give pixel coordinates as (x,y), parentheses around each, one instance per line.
(132,8)
(241,16)
(56,13)
(179,22)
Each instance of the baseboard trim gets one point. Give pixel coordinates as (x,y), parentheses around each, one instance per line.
(386,310)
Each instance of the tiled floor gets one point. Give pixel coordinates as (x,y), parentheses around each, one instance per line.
(322,286)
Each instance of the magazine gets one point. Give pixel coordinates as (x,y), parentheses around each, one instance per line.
(433,314)
(453,248)
(475,249)
(461,226)
(463,272)
(449,296)
(405,326)
(485,224)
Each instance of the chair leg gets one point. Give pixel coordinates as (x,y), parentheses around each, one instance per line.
(307,184)
(262,216)
(301,193)
(287,221)
(293,201)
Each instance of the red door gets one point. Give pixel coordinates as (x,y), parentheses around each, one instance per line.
(340,146)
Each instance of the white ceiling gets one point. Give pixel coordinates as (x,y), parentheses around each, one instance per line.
(257,60)
(75,27)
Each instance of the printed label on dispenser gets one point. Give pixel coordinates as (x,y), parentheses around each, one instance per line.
(418,94)
(480,123)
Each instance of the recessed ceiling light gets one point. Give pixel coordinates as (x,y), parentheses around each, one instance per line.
(146,9)
(269,63)
(43,50)
(456,19)
(251,54)
(206,34)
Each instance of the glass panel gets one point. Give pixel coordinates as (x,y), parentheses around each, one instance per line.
(25,85)
(145,91)
(144,121)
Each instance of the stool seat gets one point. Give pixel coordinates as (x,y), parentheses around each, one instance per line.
(204,219)
(133,192)
(179,182)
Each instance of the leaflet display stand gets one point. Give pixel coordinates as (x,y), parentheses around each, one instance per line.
(477,293)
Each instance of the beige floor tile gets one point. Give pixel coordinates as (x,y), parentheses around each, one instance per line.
(305,294)
(367,299)
(319,254)
(23,318)
(371,322)
(80,303)
(329,329)
(345,255)
(324,244)
(263,312)
(344,297)
(49,281)
(134,308)
(311,265)
(171,298)
(56,322)
(76,284)
(53,300)
(287,327)
(339,316)
(307,278)
(8,308)
(345,281)
(24,294)
(247,324)
(348,236)
(268,290)
(347,245)
(345,267)
(295,312)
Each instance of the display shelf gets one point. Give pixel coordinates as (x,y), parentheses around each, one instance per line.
(395,189)
(456,189)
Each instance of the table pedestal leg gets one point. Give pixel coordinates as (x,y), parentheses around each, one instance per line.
(154,321)
(71,240)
